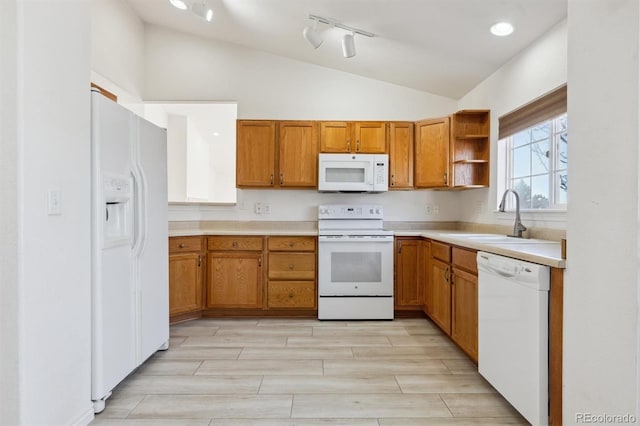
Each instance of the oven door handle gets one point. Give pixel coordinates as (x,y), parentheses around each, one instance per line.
(355,239)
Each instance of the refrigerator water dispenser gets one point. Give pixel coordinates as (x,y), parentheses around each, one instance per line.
(117,223)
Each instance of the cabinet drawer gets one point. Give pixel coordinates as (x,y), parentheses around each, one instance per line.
(301,266)
(465,259)
(185,244)
(441,251)
(235,243)
(292,243)
(291,294)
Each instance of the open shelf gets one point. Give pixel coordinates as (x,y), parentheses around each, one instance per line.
(470,144)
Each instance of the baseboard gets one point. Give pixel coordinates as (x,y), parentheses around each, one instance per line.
(86,417)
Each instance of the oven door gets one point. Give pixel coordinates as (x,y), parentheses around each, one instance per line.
(355,265)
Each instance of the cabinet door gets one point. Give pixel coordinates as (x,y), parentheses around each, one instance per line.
(441,294)
(432,153)
(185,283)
(298,158)
(408,294)
(335,136)
(255,153)
(371,137)
(234,280)
(424,278)
(464,324)
(401,155)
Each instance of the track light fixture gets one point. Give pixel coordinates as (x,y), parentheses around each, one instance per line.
(348,46)
(199,8)
(348,41)
(312,36)
(202,10)
(178,4)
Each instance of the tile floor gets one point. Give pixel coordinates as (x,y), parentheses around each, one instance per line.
(268,372)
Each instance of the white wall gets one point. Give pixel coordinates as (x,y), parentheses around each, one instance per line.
(47,141)
(9,128)
(177,157)
(197,164)
(601,280)
(183,67)
(537,70)
(117,45)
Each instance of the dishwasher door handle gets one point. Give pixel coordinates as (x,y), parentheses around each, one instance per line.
(493,270)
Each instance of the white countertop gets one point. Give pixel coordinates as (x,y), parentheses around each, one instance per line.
(542,251)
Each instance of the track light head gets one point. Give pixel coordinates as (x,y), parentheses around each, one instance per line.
(178,4)
(348,46)
(312,36)
(203,10)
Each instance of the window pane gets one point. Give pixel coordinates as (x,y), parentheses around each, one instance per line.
(523,188)
(561,151)
(561,187)
(561,123)
(521,161)
(540,192)
(521,138)
(540,157)
(541,131)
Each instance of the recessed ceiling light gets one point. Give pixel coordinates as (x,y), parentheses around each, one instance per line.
(501,29)
(179,4)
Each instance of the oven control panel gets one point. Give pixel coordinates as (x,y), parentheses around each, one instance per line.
(350,211)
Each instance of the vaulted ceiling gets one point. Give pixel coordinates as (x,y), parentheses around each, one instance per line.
(439,46)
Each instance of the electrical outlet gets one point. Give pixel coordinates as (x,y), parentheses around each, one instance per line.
(429,209)
(258,208)
(54,202)
(436,209)
(266,208)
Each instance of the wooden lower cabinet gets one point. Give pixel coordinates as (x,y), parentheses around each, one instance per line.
(292,278)
(408,289)
(234,280)
(186,267)
(441,294)
(464,314)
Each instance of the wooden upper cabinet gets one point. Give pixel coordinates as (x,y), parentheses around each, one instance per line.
(298,154)
(401,155)
(432,153)
(335,136)
(370,137)
(359,137)
(255,153)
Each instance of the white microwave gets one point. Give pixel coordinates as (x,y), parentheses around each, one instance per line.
(353,172)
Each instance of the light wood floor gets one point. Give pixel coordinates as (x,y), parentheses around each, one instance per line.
(272,372)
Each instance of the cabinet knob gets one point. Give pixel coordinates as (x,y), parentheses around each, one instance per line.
(181,246)
(290,295)
(281,178)
(271,178)
(348,146)
(291,266)
(234,244)
(290,244)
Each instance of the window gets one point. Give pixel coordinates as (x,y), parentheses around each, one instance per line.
(537,164)
(532,155)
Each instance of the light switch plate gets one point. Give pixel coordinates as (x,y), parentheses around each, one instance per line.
(55,202)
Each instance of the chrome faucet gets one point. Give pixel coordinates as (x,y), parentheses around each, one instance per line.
(518,227)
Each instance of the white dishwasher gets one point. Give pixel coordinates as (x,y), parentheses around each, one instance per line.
(513,305)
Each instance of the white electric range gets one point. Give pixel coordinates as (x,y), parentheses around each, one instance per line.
(355,263)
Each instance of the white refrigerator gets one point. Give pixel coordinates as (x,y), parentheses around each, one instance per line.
(130,278)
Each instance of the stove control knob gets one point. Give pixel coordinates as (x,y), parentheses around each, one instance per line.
(378,211)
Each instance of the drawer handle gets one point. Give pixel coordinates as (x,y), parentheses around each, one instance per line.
(290,295)
(181,245)
(291,266)
(234,244)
